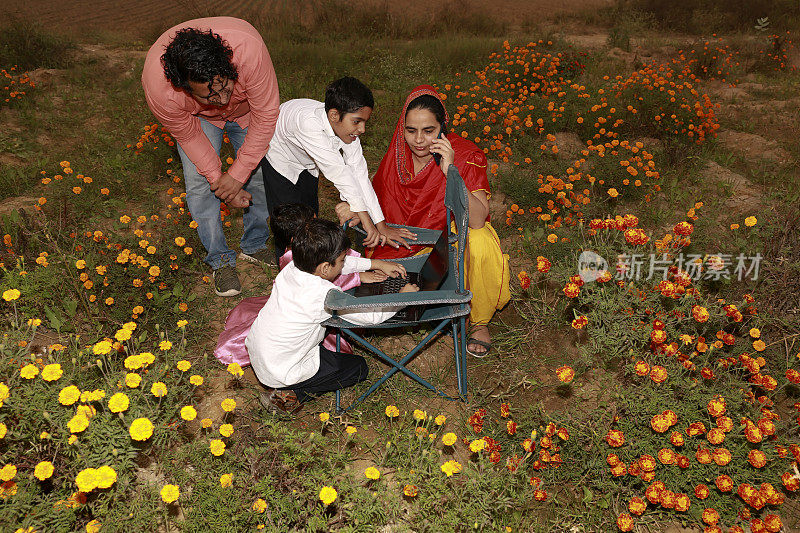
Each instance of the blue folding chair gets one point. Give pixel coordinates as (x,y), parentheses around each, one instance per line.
(447,306)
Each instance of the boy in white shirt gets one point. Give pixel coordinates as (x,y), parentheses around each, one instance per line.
(285,341)
(312,136)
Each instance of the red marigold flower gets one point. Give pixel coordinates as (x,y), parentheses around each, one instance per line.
(704,456)
(684,229)
(563,434)
(653,492)
(724,483)
(637,506)
(722,456)
(612,459)
(542,264)
(700,313)
(701,491)
(790,482)
(715,436)
(757,526)
(511,427)
(565,373)
(766,426)
(671,417)
(793,376)
(695,428)
(580,321)
(540,495)
(773,523)
(683,461)
(618,470)
(667,456)
(676,439)
(753,434)
(658,374)
(756,458)
(505,410)
(682,503)
(571,290)
(615,438)
(659,423)
(641,368)
(524,279)
(716,406)
(625,522)
(658,336)
(725,423)
(647,463)
(710,516)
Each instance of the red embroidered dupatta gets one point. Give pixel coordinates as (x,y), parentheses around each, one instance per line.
(418,200)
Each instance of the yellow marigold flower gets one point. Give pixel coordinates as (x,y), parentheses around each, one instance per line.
(125,219)
(4,391)
(180,241)
(750,221)
(182,323)
(420,415)
(188,413)
(78,423)
(196,380)
(109,300)
(226,480)
(52,372)
(97,395)
(3,430)
(93,526)
(106,476)
(147,358)
(130,326)
(133,380)
(11,295)
(552,238)
(372,473)
(141,429)
(324,417)
(43,470)
(165,345)
(102,348)
(170,493)
(122,335)
(392,411)
(154,271)
(613,193)
(86,410)
(118,403)
(451,467)
(235,370)
(228,405)
(158,389)
(29,371)
(80,264)
(151,250)
(206,423)
(86,480)
(351,430)
(477,445)
(226,430)
(133,362)
(72,439)
(755,333)
(448,439)
(440,420)
(184,365)
(8,472)
(35,322)
(328,495)
(259,506)
(217,447)
(759,345)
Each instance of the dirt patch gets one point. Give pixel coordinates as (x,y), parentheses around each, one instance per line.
(743,197)
(753,147)
(16,203)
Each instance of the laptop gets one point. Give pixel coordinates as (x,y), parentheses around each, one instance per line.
(429,278)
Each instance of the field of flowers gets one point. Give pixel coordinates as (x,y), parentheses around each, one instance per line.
(112,416)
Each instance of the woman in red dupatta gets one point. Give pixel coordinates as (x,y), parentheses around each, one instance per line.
(410,186)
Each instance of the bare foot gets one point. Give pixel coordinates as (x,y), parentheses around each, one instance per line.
(479,333)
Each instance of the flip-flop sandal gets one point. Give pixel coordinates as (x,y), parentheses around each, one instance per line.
(479,355)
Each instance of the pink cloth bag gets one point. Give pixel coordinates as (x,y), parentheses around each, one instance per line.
(230,345)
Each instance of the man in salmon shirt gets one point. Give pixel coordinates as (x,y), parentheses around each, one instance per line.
(203,78)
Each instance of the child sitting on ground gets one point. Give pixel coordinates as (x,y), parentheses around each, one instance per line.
(284,342)
(284,222)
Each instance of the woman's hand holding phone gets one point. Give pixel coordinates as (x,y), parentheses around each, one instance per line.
(442,147)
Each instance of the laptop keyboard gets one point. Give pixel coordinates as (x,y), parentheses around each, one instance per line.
(393,285)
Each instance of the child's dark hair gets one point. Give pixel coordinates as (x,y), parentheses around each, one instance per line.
(348,95)
(430,103)
(199,56)
(318,241)
(286,219)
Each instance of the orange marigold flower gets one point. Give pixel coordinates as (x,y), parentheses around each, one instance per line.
(625,522)
(565,373)
(615,438)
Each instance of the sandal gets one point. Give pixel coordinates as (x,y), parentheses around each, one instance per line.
(281,401)
(479,355)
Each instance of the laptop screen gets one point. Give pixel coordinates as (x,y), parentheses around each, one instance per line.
(435,268)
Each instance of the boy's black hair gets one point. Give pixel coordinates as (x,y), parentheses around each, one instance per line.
(286,219)
(199,56)
(318,241)
(348,95)
(432,104)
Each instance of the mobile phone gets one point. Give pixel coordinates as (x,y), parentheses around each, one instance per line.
(438,157)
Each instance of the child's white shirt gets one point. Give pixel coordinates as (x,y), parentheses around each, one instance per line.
(283,342)
(305,140)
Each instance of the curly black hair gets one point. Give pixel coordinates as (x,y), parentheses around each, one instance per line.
(198,56)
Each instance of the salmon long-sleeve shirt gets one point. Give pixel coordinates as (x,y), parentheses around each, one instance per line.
(254,103)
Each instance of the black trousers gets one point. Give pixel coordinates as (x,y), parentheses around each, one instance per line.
(336,371)
(280,190)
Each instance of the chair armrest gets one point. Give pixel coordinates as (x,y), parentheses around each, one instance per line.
(342,301)
(424,235)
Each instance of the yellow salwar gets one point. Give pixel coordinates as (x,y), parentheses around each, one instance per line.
(488,274)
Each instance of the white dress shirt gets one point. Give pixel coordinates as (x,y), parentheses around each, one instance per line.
(283,342)
(304,140)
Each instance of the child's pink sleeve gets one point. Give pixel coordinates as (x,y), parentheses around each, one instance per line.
(348,281)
